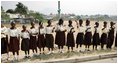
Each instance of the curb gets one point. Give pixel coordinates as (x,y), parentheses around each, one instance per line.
(83,59)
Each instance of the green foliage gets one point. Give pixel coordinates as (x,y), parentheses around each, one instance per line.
(4,16)
(36,15)
(10,11)
(21,8)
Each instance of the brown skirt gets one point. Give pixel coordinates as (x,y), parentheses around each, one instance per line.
(104,39)
(49,40)
(96,39)
(25,44)
(80,38)
(41,41)
(4,46)
(87,39)
(60,38)
(14,44)
(110,39)
(70,40)
(33,44)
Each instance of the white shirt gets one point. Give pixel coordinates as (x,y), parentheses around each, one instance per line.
(70,29)
(3,32)
(105,30)
(81,29)
(97,29)
(42,30)
(33,31)
(60,27)
(88,30)
(25,34)
(49,30)
(14,32)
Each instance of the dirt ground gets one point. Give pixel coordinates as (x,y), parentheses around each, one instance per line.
(45,57)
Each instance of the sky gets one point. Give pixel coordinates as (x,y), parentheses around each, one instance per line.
(90,7)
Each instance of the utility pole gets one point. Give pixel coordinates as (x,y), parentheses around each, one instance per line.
(59,10)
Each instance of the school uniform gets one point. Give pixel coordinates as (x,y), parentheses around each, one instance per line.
(104,37)
(60,35)
(49,37)
(41,38)
(96,37)
(88,35)
(25,40)
(110,37)
(14,41)
(70,37)
(4,40)
(33,38)
(80,36)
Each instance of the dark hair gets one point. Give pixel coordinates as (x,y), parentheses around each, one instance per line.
(87,22)
(80,21)
(105,22)
(60,21)
(49,21)
(96,23)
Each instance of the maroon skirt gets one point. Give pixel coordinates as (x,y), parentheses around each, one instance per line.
(32,44)
(80,38)
(70,40)
(41,41)
(60,38)
(25,44)
(88,37)
(14,44)
(49,40)
(104,38)
(4,45)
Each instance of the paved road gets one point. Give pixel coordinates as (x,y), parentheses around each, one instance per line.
(109,60)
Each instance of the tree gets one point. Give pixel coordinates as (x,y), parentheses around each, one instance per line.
(36,15)
(10,11)
(2,10)
(4,16)
(21,8)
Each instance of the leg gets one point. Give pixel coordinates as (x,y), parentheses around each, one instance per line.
(96,47)
(35,50)
(68,48)
(93,46)
(72,48)
(43,50)
(101,46)
(77,46)
(40,50)
(25,53)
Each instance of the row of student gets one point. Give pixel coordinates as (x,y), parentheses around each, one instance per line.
(46,39)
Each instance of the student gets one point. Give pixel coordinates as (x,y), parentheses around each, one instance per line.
(33,38)
(25,41)
(4,41)
(41,38)
(14,40)
(88,35)
(80,35)
(60,35)
(111,35)
(104,35)
(70,36)
(49,37)
(96,38)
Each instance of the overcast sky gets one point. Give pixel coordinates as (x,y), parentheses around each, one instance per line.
(76,7)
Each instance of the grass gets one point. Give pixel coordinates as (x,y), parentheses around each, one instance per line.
(53,56)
